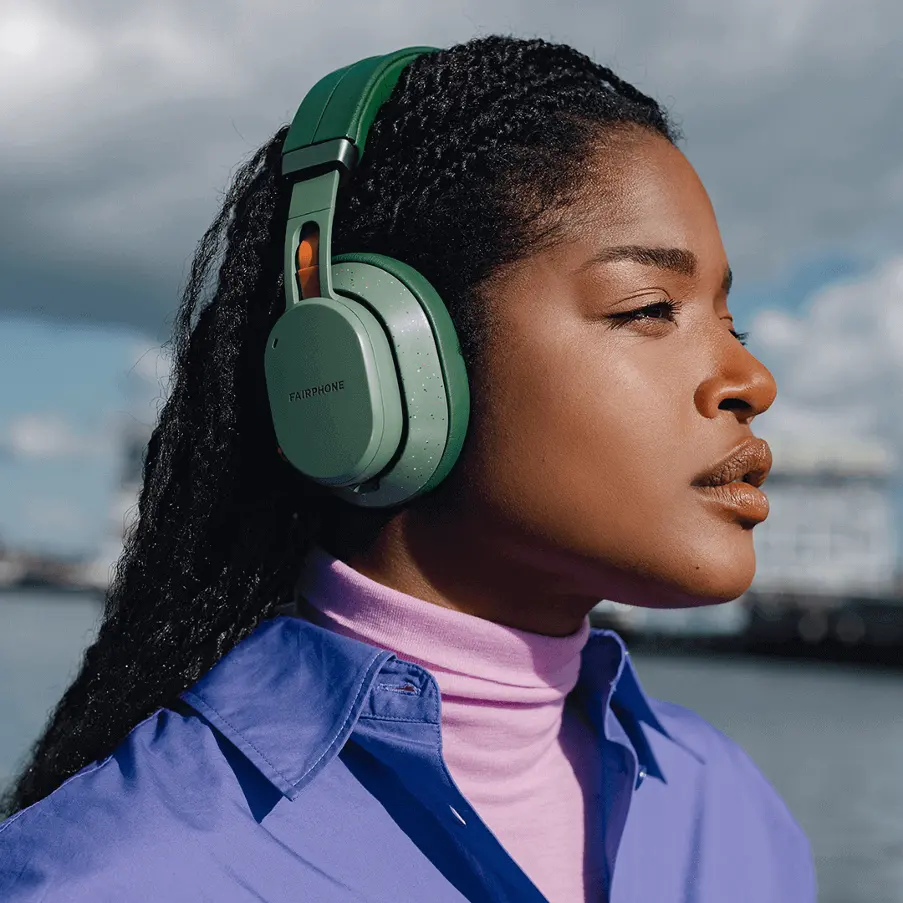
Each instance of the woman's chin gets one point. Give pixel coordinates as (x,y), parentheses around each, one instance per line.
(689,590)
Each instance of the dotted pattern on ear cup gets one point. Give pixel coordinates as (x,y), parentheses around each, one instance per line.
(431,372)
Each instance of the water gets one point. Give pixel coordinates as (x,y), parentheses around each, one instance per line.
(830,738)
(42,637)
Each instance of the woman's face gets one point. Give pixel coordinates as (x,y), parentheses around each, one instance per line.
(613,383)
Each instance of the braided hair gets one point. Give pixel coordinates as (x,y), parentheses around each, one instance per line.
(470,165)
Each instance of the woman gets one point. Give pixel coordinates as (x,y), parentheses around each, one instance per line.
(260,718)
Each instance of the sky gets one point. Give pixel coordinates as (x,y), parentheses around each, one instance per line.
(122,124)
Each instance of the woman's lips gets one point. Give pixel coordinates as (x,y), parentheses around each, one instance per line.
(734,480)
(749,461)
(741,498)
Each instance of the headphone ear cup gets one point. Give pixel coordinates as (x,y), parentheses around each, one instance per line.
(432,377)
(333,391)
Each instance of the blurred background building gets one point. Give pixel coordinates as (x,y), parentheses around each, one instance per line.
(95,572)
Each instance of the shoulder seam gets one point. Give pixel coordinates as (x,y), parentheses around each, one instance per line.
(83,773)
(88,769)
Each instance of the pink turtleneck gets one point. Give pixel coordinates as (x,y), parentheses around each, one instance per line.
(518,750)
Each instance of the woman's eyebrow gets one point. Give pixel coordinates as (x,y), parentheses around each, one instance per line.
(678,260)
(727,282)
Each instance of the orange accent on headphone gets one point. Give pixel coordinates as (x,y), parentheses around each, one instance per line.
(308,270)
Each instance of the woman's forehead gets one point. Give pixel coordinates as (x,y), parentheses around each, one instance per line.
(643,184)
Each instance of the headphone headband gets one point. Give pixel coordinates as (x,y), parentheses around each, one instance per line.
(334,119)
(322,147)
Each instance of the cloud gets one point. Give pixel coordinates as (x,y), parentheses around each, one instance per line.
(44,436)
(839,361)
(125,120)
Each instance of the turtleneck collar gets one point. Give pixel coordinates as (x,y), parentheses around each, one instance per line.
(499,659)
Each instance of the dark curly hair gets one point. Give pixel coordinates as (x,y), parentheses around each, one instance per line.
(470,165)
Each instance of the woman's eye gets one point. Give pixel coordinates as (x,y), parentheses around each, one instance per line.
(741,337)
(660,310)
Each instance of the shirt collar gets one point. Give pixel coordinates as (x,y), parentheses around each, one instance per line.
(615,700)
(291,694)
(626,691)
(288,697)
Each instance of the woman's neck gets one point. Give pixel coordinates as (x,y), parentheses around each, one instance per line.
(470,569)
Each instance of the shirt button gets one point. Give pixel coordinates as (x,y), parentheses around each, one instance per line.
(641,774)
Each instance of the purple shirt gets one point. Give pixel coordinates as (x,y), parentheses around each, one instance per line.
(306,767)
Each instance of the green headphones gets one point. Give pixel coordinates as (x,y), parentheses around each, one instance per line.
(367,386)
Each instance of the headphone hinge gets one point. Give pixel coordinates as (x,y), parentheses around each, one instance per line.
(315,159)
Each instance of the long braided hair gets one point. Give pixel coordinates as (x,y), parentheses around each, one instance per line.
(470,165)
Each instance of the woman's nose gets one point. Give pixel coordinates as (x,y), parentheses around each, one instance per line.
(745,386)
